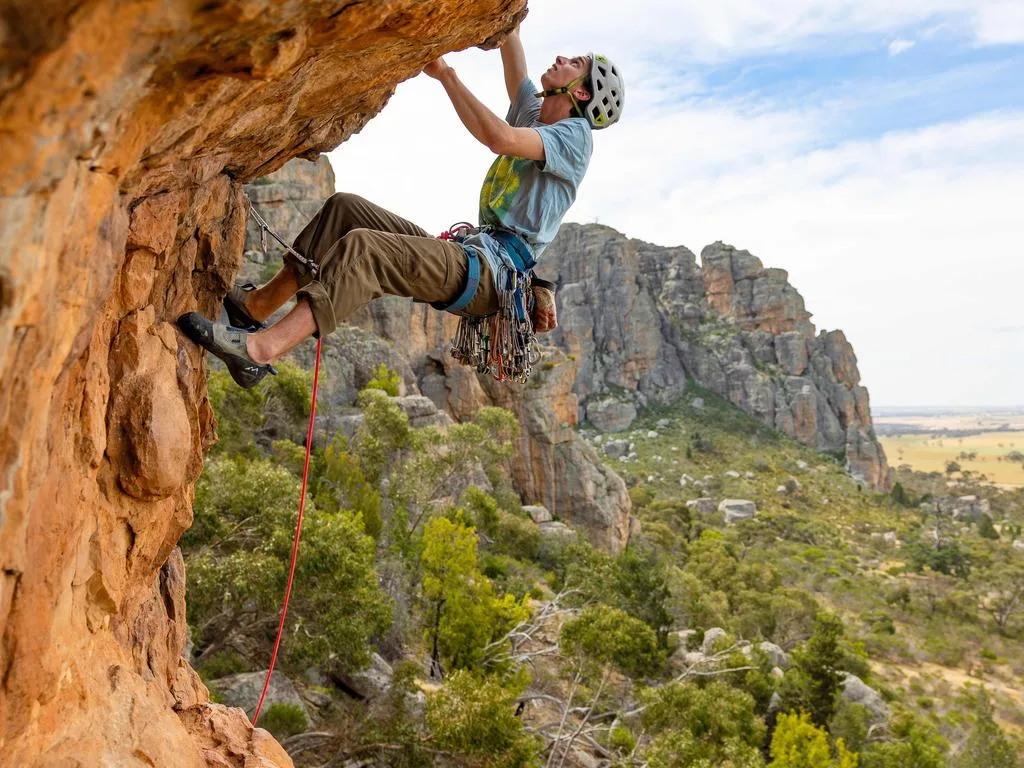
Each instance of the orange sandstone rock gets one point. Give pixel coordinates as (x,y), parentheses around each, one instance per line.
(128,129)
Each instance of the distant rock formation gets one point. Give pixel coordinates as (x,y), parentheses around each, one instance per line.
(640,318)
(128,130)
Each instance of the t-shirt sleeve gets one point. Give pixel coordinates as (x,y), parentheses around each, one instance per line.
(524,112)
(568,145)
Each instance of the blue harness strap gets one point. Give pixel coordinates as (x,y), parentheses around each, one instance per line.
(517,249)
(469,290)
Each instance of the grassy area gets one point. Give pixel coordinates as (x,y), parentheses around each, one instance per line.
(983,454)
(845,544)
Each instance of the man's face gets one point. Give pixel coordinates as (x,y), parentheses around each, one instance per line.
(564,71)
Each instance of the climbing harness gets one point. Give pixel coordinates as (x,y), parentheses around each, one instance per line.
(298,532)
(265,229)
(503,344)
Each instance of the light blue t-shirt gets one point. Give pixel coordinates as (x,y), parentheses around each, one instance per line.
(530,197)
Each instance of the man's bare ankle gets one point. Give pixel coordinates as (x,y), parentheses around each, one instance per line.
(256,350)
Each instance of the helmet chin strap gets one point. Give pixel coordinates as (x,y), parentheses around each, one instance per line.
(563,89)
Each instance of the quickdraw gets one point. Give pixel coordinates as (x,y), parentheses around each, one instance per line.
(265,229)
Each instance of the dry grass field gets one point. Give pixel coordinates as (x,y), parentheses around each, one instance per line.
(930,453)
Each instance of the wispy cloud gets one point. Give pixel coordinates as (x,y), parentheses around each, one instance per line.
(896,47)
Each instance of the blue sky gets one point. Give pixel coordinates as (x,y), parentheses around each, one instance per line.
(873,150)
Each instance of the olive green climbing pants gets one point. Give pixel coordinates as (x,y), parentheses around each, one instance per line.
(364,251)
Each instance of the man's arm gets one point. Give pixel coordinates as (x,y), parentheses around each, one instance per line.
(486,127)
(513,60)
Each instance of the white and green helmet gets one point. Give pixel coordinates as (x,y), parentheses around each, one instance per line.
(608,92)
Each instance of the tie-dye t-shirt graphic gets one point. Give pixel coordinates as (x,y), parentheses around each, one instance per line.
(530,197)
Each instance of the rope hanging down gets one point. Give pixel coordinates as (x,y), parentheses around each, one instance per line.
(298,532)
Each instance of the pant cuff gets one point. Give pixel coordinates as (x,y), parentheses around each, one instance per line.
(323,309)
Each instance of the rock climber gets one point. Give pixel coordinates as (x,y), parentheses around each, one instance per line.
(361,251)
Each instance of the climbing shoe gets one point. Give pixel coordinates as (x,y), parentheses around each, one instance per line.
(234,306)
(228,344)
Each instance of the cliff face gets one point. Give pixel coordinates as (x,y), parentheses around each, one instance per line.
(128,129)
(641,317)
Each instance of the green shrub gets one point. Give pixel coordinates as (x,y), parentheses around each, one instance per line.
(223,663)
(622,739)
(516,537)
(640,496)
(284,719)
(474,716)
(712,725)
(798,743)
(386,380)
(610,637)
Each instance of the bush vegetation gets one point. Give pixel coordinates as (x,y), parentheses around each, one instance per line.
(402,557)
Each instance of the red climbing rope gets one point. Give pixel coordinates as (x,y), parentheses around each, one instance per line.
(298,531)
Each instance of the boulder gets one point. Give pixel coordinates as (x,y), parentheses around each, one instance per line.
(732,473)
(663,423)
(697,403)
(692,658)
(703,505)
(779,657)
(1018,544)
(243,690)
(374,681)
(970,508)
(711,638)
(616,448)
(678,640)
(554,537)
(737,509)
(856,691)
(422,412)
(611,415)
(538,513)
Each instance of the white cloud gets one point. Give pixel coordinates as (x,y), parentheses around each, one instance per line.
(896,47)
(909,241)
(1000,23)
(695,30)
